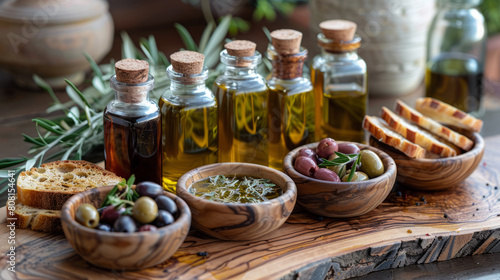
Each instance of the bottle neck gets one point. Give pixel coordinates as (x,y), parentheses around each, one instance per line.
(132,93)
(240,66)
(187,83)
(287,66)
(240,71)
(340,56)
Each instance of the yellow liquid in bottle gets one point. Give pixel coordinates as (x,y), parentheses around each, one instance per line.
(242,126)
(291,123)
(343,109)
(189,139)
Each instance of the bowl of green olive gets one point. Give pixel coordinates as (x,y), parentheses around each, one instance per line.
(340,179)
(126,227)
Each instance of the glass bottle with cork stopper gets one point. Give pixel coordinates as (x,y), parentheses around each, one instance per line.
(132,124)
(340,83)
(291,99)
(242,98)
(456,48)
(189,118)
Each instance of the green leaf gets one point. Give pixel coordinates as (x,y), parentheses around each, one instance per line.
(164,59)
(93,65)
(32,140)
(30,163)
(45,86)
(153,49)
(8,162)
(353,169)
(268,33)
(148,55)
(186,37)
(4,174)
(49,127)
(131,180)
(77,92)
(128,47)
(206,36)
(215,41)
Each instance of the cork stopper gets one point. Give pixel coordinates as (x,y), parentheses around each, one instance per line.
(286,41)
(240,48)
(131,71)
(338,30)
(187,62)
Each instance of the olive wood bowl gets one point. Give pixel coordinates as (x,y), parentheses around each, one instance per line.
(341,199)
(119,250)
(238,221)
(435,174)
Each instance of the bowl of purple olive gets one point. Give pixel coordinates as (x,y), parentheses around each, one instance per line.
(340,179)
(126,227)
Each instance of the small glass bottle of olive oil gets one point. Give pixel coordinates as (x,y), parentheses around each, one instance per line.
(456,48)
(189,118)
(242,98)
(339,78)
(132,124)
(291,98)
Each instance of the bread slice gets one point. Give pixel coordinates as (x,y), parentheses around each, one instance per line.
(35,218)
(382,132)
(50,185)
(447,114)
(416,135)
(438,129)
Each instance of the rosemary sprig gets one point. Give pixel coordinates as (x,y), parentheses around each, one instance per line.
(353,168)
(339,160)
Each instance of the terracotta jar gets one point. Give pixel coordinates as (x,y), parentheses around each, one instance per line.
(49,38)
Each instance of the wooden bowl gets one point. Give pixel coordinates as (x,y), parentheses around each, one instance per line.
(435,174)
(118,250)
(238,221)
(341,199)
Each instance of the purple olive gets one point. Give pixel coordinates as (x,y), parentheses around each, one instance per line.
(148,228)
(124,224)
(307,153)
(327,147)
(166,203)
(164,218)
(110,214)
(149,189)
(326,174)
(348,148)
(305,166)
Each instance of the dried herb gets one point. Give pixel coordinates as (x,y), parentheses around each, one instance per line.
(237,189)
(342,159)
(122,195)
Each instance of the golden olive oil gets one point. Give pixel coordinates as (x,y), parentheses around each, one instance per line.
(242,125)
(291,122)
(189,139)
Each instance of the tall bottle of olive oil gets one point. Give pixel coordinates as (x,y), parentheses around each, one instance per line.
(339,78)
(189,118)
(242,98)
(291,99)
(132,124)
(455,55)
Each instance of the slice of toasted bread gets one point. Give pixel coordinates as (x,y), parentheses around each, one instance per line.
(449,135)
(50,185)
(416,135)
(447,114)
(382,132)
(35,218)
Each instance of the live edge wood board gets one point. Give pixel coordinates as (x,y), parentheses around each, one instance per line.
(409,227)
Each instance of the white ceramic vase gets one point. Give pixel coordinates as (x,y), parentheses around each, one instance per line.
(394,34)
(49,38)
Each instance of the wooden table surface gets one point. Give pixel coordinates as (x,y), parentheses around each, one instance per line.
(409,227)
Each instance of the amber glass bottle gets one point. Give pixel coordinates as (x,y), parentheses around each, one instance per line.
(132,124)
(339,78)
(189,118)
(291,99)
(242,98)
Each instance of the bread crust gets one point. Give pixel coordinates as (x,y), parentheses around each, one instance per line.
(36,219)
(447,114)
(415,134)
(379,129)
(51,188)
(429,124)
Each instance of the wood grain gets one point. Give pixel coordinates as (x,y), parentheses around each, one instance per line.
(341,199)
(397,233)
(123,251)
(435,174)
(231,221)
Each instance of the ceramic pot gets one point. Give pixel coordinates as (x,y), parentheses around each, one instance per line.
(394,37)
(49,38)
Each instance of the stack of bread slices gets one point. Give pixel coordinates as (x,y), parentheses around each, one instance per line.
(419,132)
(42,191)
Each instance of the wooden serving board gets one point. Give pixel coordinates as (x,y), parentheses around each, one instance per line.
(408,227)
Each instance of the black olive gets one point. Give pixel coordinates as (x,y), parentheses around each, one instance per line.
(164,218)
(166,203)
(124,224)
(149,189)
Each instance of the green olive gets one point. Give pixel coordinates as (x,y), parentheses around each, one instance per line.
(145,210)
(371,164)
(358,176)
(339,169)
(87,215)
